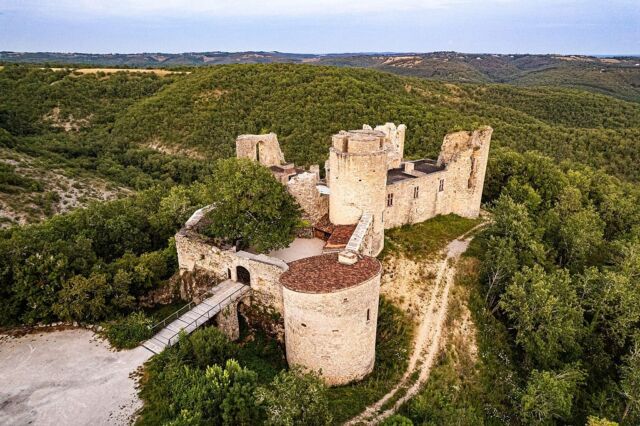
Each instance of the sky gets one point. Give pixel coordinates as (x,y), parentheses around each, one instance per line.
(328,26)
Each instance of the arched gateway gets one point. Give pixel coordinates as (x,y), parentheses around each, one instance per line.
(243,276)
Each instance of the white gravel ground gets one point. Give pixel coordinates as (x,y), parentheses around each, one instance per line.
(68,377)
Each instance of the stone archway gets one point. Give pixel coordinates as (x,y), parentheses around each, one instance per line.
(242,275)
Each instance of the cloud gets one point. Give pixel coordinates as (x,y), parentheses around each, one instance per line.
(221,8)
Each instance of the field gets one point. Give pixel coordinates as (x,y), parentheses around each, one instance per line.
(83,71)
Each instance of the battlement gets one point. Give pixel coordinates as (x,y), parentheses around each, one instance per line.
(365,141)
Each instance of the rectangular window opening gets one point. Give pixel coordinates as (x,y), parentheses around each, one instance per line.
(441,188)
(416,192)
(389,200)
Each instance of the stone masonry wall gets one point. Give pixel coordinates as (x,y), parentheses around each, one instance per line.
(408,210)
(196,252)
(303,188)
(333,332)
(465,156)
(358,173)
(262,148)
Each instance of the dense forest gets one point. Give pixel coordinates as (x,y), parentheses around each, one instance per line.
(615,76)
(68,138)
(555,295)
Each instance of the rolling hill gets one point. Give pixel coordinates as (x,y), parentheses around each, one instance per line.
(131,130)
(615,76)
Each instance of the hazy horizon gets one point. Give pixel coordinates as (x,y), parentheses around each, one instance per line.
(562,27)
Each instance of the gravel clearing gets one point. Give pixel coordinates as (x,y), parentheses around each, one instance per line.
(67,377)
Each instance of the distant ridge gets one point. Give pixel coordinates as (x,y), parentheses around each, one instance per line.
(617,76)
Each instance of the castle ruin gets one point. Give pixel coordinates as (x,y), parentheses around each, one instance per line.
(326,287)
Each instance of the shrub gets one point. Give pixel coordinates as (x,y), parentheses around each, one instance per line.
(208,346)
(397,420)
(295,398)
(128,332)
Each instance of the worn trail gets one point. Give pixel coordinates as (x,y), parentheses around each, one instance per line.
(427,341)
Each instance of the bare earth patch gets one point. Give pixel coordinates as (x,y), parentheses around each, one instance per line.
(60,193)
(157,71)
(422,289)
(68,377)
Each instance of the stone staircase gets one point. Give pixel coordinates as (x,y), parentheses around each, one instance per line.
(193,315)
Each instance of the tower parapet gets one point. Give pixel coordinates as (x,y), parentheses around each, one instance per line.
(358,177)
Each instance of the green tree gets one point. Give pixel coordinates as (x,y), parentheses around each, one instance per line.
(216,396)
(251,206)
(209,346)
(549,395)
(295,398)
(91,298)
(578,231)
(630,383)
(545,313)
(597,421)
(499,265)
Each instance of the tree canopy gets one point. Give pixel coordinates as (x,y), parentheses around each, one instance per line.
(251,207)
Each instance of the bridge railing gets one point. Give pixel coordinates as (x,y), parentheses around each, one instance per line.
(207,315)
(162,324)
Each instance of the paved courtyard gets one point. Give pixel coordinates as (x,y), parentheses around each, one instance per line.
(299,249)
(67,377)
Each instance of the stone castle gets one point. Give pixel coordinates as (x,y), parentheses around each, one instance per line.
(326,286)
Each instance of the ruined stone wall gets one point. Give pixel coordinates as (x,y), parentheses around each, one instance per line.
(333,332)
(262,148)
(265,274)
(465,156)
(303,188)
(430,202)
(394,142)
(197,252)
(358,174)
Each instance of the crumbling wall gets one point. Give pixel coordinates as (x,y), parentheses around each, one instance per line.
(394,142)
(262,148)
(303,188)
(465,156)
(202,265)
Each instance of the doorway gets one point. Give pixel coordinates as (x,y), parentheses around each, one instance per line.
(243,275)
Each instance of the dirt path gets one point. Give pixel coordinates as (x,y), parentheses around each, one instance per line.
(432,313)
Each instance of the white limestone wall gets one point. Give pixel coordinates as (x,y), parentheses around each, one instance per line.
(333,333)
(195,252)
(358,175)
(408,210)
(304,189)
(465,155)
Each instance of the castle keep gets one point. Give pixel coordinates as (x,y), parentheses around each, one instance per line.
(326,286)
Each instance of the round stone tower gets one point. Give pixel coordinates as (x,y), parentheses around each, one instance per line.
(358,179)
(330,315)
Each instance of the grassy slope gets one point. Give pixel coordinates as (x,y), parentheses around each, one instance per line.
(207,109)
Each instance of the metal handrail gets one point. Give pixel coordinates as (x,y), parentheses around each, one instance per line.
(175,315)
(207,314)
(163,323)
